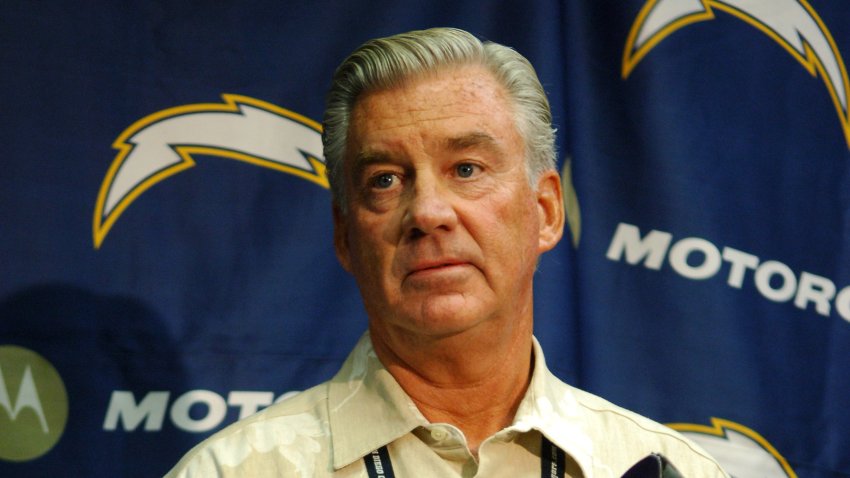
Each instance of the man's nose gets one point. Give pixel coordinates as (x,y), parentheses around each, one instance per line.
(429,208)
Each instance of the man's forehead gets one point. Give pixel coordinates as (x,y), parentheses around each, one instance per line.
(468,83)
(452,109)
(441,101)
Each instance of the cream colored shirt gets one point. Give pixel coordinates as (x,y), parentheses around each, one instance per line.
(327,430)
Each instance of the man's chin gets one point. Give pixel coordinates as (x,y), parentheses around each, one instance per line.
(446,316)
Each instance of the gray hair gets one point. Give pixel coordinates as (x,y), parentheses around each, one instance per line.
(387,62)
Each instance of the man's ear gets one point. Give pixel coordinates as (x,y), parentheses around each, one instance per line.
(343,253)
(550,207)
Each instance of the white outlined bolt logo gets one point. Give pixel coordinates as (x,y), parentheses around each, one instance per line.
(33,404)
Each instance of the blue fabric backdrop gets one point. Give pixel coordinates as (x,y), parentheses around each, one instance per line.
(166,263)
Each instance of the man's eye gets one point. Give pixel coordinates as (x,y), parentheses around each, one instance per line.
(384,181)
(465,170)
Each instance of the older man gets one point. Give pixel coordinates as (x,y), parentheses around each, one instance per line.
(440,153)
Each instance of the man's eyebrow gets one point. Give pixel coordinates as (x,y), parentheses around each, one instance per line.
(472,140)
(369,157)
(364,159)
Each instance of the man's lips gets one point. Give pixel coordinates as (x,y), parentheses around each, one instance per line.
(427,267)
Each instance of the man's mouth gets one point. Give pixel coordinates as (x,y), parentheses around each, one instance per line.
(436,266)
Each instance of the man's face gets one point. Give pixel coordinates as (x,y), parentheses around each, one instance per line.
(443,229)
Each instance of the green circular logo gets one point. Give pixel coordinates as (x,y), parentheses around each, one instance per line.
(33,404)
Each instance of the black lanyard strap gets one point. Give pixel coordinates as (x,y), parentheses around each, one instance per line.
(378,464)
(552,462)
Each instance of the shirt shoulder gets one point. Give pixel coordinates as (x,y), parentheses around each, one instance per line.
(289,438)
(605,439)
(633,436)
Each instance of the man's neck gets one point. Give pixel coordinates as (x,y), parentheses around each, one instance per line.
(474,380)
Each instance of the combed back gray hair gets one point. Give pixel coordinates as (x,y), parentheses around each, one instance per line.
(387,62)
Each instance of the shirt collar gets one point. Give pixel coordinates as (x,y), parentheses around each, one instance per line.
(368,409)
(551,407)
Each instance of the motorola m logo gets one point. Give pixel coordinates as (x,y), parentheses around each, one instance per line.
(194,411)
(33,421)
(27,398)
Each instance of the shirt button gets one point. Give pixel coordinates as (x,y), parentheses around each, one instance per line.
(439,434)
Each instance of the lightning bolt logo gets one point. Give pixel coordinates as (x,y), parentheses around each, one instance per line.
(793,24)
(740,450)
(163,144)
